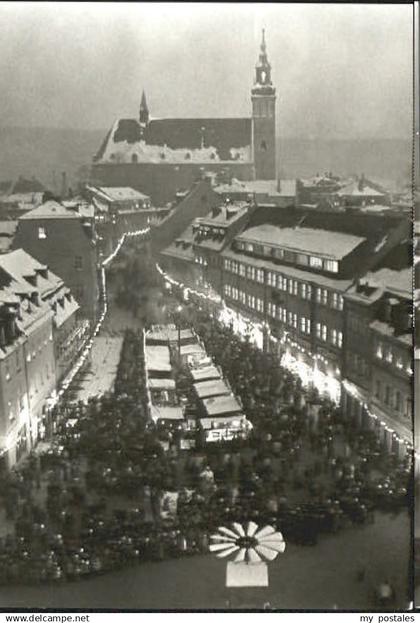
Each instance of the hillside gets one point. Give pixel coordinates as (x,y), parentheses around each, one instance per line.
(40,151)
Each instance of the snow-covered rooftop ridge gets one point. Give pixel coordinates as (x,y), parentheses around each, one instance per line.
(328,244)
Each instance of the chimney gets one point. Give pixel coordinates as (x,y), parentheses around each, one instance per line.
(63,185)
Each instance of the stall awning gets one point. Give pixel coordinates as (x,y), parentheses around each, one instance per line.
(166,413)
(161,384)
(157,358)
(215,387)
(232,421)
(168,333)
(192,349)
(221,405)
(206,373)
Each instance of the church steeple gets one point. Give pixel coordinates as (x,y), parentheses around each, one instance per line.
(263,96)
(263,67)
(144,110)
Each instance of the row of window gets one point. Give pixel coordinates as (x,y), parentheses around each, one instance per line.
(283,315)
(392,398)
(292,286)
(386,353)
(302,259)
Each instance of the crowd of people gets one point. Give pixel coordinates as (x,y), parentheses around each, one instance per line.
(94,500)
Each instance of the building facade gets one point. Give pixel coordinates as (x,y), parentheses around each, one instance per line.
(37,314)
(66,242)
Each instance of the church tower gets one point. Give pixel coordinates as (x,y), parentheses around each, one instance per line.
(263,96)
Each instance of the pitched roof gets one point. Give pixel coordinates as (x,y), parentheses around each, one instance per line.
(118,193)
(50,209)
(20,265)
(178,140)
(317,241)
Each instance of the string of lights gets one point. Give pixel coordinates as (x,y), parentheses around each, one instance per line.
(104,299)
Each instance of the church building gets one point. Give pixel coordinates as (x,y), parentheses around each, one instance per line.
(160,157)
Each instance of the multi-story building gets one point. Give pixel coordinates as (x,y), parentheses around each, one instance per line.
(289,276)
(195,256)
(378,366)
(160,156)
(275,193)
(37,332)
(64,240)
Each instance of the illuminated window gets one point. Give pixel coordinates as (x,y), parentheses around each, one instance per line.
(260,275)
(379,351)
(242,270)
(315,262)
(260,305)
(228,290)
(250,272)
(399,363)
(42,233)
(331,266)
(389,356)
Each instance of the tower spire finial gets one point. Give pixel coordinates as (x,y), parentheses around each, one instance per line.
(144,110)
(263,46)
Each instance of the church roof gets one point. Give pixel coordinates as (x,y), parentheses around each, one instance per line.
(179,140)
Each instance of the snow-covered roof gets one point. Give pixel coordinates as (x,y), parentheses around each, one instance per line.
(119,193)
(178,140)
(220,405)
(271,188)
(328,244)
(50,210)
(214,387)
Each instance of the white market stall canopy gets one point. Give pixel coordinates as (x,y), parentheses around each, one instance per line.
(205,374)
(169,333)
(166,413)
(215,387)
(192,349)
(221,405)
(157,358)
(162,384)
